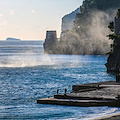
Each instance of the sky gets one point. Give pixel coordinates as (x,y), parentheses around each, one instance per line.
(30,19)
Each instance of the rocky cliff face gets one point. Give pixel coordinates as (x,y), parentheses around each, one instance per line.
(86,31)
(67,20)
(88,35)
(113,61)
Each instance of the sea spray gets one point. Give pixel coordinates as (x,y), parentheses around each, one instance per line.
(27,60)
(89,37)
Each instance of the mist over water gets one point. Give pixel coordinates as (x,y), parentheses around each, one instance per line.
(27,74)
(23,54)
(90,36)
(26,61)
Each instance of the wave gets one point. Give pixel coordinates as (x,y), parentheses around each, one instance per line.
(93,116)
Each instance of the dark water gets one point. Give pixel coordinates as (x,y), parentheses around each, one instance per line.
(26,74)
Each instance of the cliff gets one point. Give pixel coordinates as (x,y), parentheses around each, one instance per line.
(113,61)
(86,35)
(67,20)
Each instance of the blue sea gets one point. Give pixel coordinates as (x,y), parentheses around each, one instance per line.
(27,74)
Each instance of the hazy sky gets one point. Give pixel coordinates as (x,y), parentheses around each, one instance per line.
(29,19)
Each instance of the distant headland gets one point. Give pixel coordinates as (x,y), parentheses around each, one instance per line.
(12,39)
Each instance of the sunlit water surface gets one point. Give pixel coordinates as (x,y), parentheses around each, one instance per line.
(26,74)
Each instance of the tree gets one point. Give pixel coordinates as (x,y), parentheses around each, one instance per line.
(118,13)
(113,36)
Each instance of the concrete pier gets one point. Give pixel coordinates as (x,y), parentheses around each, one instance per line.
(86,95)
(81,103)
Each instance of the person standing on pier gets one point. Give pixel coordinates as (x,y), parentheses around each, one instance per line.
(65,90)
(57,91)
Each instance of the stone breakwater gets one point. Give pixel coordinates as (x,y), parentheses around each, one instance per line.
(92,94)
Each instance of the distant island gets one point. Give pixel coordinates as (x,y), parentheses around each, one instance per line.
(12,39)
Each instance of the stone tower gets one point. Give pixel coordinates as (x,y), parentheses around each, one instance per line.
(51,36)
(50,42)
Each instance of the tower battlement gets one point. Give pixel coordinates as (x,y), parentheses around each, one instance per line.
(51,36)
(50,42)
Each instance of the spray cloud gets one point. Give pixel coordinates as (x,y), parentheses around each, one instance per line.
(90,36)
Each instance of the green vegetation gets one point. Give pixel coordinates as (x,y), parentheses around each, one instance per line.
(111,26)
(88,9)
(113,61)
(90,28)
(118,13)
(98,4)
(113,36)
(89,6)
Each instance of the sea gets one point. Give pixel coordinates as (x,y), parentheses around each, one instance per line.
(27,74)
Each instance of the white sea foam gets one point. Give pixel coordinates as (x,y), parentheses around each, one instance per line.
(91,117)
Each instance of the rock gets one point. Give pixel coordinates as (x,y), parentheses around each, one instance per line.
(113,61)
(67,20)
(12,39)
(106,95)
